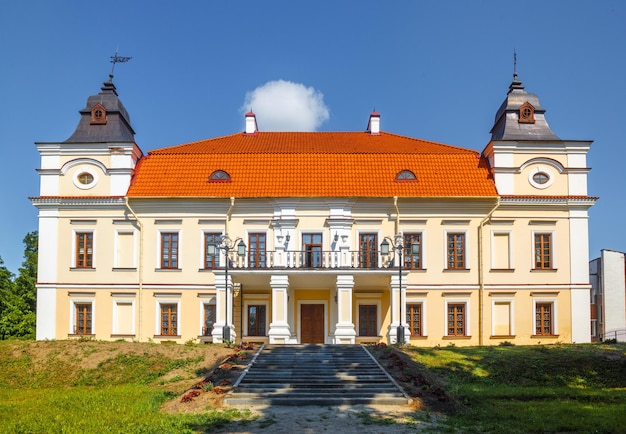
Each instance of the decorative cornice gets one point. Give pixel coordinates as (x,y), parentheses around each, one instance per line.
(548,200)
(77,201)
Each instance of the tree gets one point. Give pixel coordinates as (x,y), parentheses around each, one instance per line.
(18,318)
(6,288)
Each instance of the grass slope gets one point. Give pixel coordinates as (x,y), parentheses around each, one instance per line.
(90,386)
(554,388)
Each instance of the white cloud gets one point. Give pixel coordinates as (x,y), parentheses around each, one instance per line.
(286,106)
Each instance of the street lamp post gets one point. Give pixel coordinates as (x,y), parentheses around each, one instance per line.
(225,244)
(399,248)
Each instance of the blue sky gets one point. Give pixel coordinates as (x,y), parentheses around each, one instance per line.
(436,70)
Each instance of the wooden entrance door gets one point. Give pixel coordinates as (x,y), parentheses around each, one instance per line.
(312,323)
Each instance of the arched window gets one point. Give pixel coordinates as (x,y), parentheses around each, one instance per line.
(219,176)
(406,175)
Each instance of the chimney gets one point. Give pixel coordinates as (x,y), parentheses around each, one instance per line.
(373,126)
(251,126)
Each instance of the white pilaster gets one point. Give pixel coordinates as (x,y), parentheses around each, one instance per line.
(46,313)
(398,309)
(223,307)
(280,332)
(345,331)
(581,315)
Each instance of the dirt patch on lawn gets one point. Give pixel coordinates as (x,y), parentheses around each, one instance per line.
(208,391)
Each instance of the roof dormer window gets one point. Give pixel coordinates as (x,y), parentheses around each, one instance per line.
(219,176)
(527,114)
(406,175)
(98,115)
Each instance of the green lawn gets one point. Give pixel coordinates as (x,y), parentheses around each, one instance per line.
(46,387)
(554,388)
(49,387)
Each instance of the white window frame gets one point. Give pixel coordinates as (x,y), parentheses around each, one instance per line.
(541,169)
(82,300)
(130,298)
(75,233)
(246,240)
(166,299)
(256,300)
(422,234)
(158,250)
(458,300)
(509,233)
(539,299)
(205,300)
(553,262)
(422,301)
(465,252)
(85,169)
(503,298)
(116,245)
(219,252)
(379,240)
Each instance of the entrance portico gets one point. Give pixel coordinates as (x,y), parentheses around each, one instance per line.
(314,306)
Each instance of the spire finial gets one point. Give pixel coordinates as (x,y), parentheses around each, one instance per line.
(117,59)
(514,64)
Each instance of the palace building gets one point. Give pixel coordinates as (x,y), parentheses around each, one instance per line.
(314,237)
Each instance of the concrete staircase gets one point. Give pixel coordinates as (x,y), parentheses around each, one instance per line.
(315,375)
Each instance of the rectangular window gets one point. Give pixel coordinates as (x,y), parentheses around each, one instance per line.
(368,320)
(413,251)
(456,319)
(456,251)
(169,319)
(414,319)
(125,251)
(500,255)
(84,250)
(256,320)
(211,261)
(257,255)
(83,319)
(169,250)
(312,245)
(543,319)
(502,318)
(594,328)
(209,319)
(543,251)
(368,250)
(123,318)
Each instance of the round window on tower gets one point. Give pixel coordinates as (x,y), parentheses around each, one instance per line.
(541,178)
(85,178)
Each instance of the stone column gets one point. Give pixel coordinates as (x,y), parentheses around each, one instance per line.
(345,331)
(280,332)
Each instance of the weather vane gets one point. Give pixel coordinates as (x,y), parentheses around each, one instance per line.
(118,59)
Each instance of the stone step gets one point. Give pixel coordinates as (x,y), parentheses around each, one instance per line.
(315,375)
(287,400)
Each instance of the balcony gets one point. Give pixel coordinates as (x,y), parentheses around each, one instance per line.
(312,260)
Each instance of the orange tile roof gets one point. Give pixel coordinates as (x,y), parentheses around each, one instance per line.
(312,164)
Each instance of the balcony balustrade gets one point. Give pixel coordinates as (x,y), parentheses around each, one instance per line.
(289,259)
